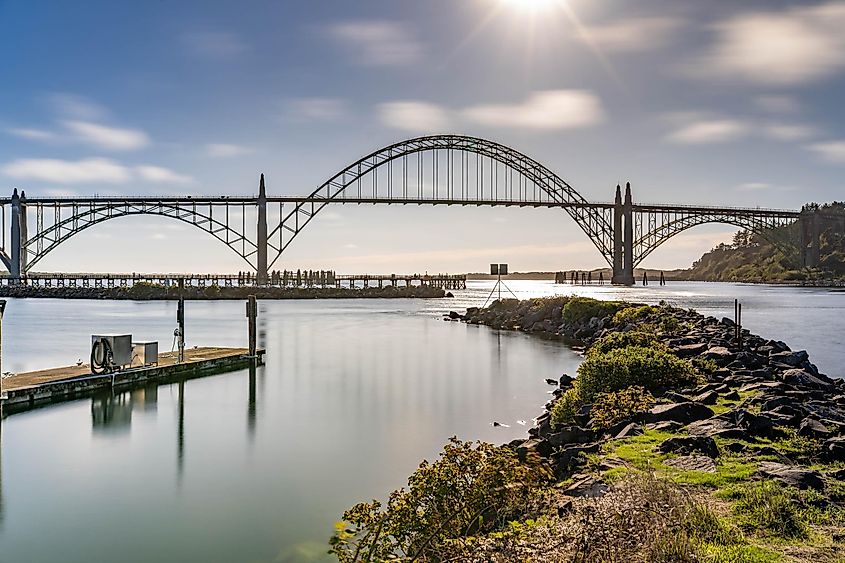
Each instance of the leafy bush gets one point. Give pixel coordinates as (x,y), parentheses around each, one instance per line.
(563,411)
(616,340)
(652,368)
(767,506)
(472,489)
(616,406)
(704,365)
(582,309)
(633,314)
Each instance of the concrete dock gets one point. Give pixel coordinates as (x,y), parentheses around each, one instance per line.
(69,382)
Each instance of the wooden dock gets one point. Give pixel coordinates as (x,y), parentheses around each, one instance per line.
(74,381)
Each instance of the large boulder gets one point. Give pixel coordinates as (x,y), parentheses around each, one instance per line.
(803,378)
(586,486)
(693,463)
(679,412)
(812,428)
(799,477)
(794,359)
(564,435)
(530,448)
(690,444)
(834,449)
(717,426)
(706,398)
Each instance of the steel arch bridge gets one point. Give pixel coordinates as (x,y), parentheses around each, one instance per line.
(431,170)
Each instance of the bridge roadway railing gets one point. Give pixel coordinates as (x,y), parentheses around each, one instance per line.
(287,278)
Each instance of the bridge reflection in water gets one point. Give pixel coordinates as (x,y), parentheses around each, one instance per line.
(432,170)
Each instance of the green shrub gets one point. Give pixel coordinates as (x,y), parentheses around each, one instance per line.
(651,368)
(616,340)
(616,406)
(582,309)
(767,506)
(563,411)
(633,314)
(471,489)
(704,366)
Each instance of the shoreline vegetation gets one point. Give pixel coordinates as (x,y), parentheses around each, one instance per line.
(676,442)
(143,291)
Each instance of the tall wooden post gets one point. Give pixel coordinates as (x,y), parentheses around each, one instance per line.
(180,319)
(252,315)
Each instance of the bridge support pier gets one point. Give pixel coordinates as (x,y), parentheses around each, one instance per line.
(261,276)
(17,247)
(810,239)
(623,238)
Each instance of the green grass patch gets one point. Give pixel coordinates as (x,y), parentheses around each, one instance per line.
(582,309)
(743,553)
(768,508)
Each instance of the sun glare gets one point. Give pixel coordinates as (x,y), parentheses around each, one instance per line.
(532,6)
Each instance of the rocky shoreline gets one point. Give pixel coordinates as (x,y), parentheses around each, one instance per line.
(151,292)
(767,387)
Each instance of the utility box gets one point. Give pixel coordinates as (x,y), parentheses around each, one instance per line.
(145,353)
(120,346)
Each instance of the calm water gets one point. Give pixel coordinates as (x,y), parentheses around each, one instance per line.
(257,467)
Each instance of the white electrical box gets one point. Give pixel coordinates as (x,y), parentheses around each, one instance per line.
(145,353)
(120,346)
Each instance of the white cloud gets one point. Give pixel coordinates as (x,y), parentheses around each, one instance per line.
(413,116)
(94,170)
(162,175)
(77,107)
(89,170)
(782,48)
(32,134)
(216,45)
(224,150)
(789,131)
(109,138)
(315,109)
(632,35)
(778,104)
(550,109)
(709,131)
(833,151)
(750,186)
(378,43)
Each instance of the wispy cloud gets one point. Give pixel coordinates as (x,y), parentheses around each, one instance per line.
(89,170)
(550,109)
(832,151)
(778,104)
(789,131)
(315,109)
(74,106)
(214,45)
(708,132)
(378,42)
(225,150)
(161,175)
(786,47)
(32,134)
(106,137)
(94,170)
(416,116)
(632,34)
(752,186)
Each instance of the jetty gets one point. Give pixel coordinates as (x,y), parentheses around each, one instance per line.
(26,390)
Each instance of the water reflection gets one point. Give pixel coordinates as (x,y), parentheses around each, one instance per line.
(180,433)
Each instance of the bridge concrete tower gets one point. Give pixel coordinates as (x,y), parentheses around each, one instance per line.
(810,228)
(618,274)
(628,238)
(16,249)
(261,276)
(24,236)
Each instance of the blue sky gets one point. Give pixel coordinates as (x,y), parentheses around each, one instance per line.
(716,102)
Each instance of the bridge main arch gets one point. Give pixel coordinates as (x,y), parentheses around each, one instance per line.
(536,185)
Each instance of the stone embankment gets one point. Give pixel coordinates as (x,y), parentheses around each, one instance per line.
(756,391)
(150,292)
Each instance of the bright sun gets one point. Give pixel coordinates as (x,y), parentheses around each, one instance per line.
(532,5)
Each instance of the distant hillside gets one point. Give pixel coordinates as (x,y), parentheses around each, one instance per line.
(751,258)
